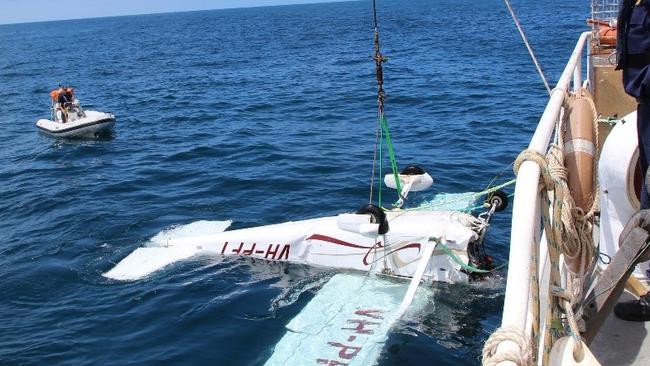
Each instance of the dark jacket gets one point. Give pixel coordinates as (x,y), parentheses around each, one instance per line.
(633,47)
(63,98)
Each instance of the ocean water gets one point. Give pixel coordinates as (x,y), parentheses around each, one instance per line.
(259,116)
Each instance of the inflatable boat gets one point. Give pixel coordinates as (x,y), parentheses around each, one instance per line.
(70,119)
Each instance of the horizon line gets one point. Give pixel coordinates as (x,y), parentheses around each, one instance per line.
(178,11)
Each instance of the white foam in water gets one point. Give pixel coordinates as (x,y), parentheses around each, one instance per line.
(156,255)
(347,322)
(452,201)
(292,292)
(197,228)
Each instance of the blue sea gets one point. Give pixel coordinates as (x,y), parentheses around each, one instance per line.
(260,116)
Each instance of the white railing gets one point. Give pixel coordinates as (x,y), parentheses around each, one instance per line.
(525,232)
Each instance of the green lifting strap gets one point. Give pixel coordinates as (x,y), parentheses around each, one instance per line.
(383,130)
(463,265)
(381,165)
(391,153)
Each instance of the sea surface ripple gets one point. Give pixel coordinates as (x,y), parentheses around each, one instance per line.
(261,116)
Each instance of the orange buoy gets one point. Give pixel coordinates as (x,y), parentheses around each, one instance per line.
(605,32)
(607,35)
(580,159)
(580,149)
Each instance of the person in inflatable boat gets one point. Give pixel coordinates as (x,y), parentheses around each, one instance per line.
(633,48)
(69,94)
(64,103)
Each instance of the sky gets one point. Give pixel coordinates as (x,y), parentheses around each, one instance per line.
(22,11)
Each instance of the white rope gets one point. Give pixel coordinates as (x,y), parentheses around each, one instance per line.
(530,49)
(512,334)
(568,232)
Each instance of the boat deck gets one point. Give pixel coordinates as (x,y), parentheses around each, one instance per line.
(618,342)
(609,96)
(621,342)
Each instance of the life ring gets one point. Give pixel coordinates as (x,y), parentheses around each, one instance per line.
(605,33)
(580,149)
(607,36)
(580,158)
(377,216)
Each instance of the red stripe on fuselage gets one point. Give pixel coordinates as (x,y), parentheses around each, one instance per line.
(329,239)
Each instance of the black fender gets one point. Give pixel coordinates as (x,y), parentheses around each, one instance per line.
(377,216)
(412,170)
(498,199)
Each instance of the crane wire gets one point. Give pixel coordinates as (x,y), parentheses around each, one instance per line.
(383,132)
(530,49)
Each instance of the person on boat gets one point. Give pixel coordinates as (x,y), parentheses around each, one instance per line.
(69,94)
(64,102)
(633,48)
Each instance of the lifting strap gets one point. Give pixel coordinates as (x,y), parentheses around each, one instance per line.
(384,132)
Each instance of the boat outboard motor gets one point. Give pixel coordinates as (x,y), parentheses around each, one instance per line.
(411,178)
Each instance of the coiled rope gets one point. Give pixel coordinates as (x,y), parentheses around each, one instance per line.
(512,334)
(568,232)
(570,229)
(561,234)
